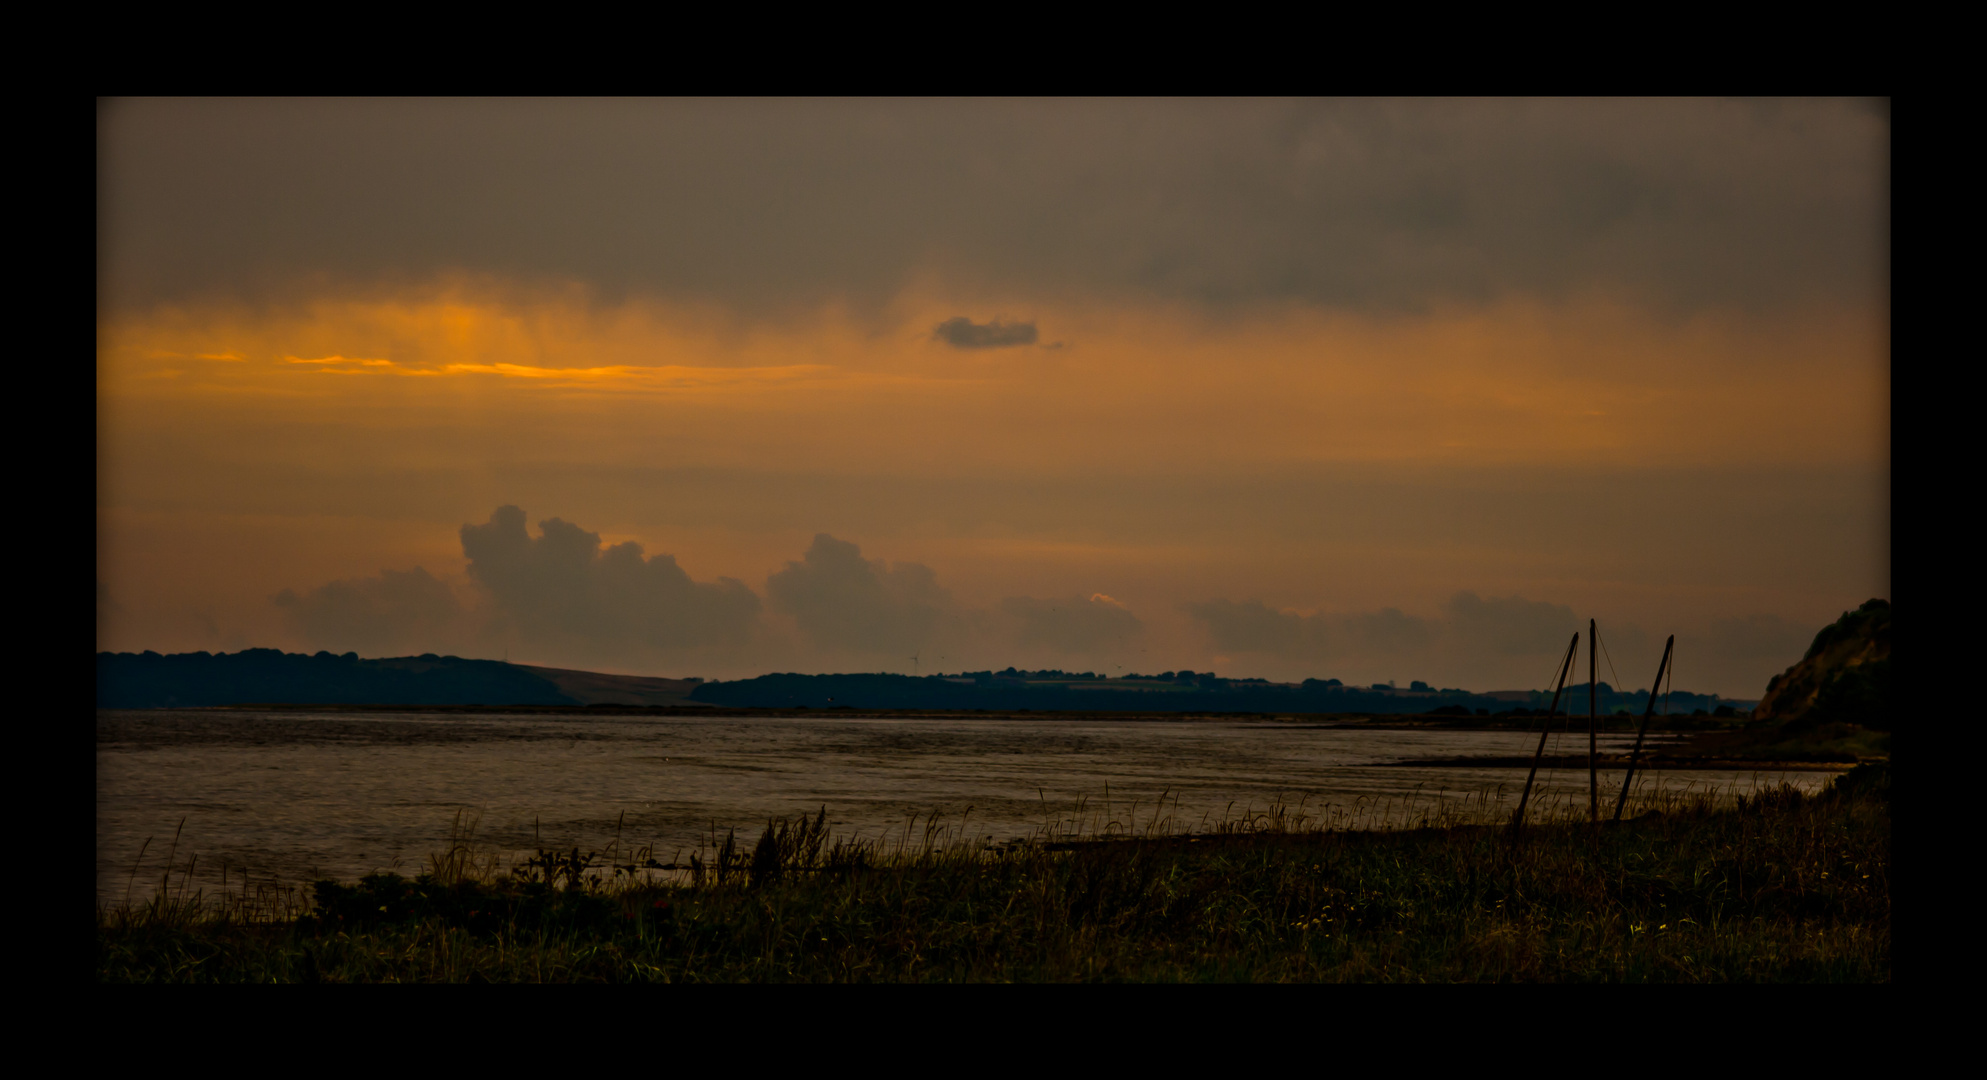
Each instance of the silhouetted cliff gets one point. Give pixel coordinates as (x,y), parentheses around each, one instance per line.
(1844,678)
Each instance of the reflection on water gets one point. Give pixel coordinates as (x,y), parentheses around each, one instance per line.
(292,796)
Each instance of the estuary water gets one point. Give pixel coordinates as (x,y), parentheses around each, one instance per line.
(287,797)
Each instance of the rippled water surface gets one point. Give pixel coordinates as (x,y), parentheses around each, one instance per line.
(293,795)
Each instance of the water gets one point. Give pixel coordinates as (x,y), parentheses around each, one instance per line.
(291,796)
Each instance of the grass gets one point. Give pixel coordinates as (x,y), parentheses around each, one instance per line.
(1779,887)
(1833,741)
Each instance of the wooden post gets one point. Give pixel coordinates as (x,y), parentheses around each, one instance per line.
(1565,668)
(1636,754)
(1593,712)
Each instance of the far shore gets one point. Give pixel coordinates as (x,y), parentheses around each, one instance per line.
(1381,721)
(1716,756)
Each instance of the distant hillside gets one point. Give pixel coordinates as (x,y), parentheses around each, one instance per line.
(595,688)
(1047,691)
(267,676)
(1844,678)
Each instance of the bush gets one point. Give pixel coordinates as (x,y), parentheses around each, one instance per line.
(1858,695)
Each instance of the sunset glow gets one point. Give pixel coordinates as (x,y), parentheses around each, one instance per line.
(1659,436)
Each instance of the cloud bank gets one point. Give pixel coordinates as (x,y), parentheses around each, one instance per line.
(1512,625)
(845,603)
(561,597)
(1251,626)
(1475,642)
(1380,204)
(1075,625)
(399,612)
(562,589)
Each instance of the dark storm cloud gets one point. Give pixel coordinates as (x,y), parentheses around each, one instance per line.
(1072,624)
(400,611)
(962,332)
(561,587)
(846,603)
(756,203)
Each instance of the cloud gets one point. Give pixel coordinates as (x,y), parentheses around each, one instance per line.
(845,603)
(1478,642)
(1741,653)
(562,588)
(1254,627)
(962,332)
(398,612)
(1511,625)
(1073,624)
(1760,637)
(1362,203)
(562,597)
(1389,632)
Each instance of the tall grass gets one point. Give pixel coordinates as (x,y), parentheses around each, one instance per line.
(1775,885)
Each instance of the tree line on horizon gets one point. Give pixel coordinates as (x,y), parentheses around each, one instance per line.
(270,676)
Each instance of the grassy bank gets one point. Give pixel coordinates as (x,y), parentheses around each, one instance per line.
(1782,888)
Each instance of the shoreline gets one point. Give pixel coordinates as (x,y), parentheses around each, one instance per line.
(1617,764)
(1718,739)
(1378,721)
(1781,887)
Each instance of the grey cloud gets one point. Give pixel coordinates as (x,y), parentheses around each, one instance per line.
(1511,626)
(1629,657)
(1073,624)
(561,588)
(1477,642)
(846,603)
(1254,627)
(1741,653)
(398,612)
(1390,631)
(1383,204)
(962,332)
(1761,637)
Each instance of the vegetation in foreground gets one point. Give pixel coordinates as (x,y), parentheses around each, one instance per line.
(1782,888)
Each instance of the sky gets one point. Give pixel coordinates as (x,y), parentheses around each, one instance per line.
(1368,390)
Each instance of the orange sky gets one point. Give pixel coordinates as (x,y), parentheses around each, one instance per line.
(1714,469)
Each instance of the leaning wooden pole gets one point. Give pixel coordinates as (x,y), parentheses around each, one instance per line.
(1565,668)
(1593,715)
(1635,755)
